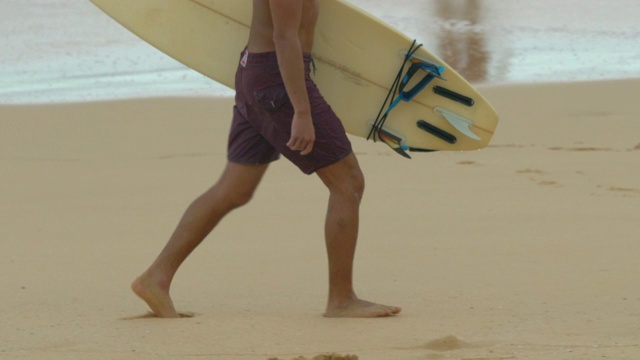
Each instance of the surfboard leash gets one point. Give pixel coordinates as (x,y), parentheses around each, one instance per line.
(374,133)
(398,93)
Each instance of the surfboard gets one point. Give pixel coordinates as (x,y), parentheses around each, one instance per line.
(358,59)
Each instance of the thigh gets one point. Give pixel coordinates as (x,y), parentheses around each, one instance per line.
(246,145)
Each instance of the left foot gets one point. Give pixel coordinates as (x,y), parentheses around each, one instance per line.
(361,309)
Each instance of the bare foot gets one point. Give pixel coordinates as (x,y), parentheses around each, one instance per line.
(361,309)
(155,295)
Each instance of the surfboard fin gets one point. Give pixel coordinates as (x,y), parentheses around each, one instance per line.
(460,123)
(394,142)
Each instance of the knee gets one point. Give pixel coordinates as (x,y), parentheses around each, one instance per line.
(352,186)
(344,179)
(357,185)
(226,199)
(234,200)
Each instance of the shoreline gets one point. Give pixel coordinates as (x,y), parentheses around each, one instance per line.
(482,88)
(215,90)
(486,41)
(229,93)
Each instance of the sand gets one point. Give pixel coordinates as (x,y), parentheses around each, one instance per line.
(524,250)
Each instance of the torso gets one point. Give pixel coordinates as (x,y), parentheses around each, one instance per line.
(261,35)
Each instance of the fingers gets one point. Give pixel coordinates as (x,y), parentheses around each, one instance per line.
(302,134)
(305,146)
(307,149)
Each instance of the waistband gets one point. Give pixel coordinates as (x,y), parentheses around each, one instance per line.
(266,57)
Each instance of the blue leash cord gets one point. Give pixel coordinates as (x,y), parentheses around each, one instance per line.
(393,91)
(397,91)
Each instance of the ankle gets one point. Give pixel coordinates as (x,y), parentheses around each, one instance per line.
(338,300)
(155,279)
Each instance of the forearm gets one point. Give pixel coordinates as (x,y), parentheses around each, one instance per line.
(286,15)
(291,64)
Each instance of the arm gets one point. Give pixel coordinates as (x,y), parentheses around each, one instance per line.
(286,15)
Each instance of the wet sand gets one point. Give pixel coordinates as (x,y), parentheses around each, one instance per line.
(68,50)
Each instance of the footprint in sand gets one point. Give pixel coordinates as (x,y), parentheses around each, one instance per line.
(625,191)
(548,183)
(580,148)
(332,356)
(536,175)
(531,171)
(150,315)
(516,146)
(467,162)
(616,190)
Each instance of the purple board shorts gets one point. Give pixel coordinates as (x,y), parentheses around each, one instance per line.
(263,114)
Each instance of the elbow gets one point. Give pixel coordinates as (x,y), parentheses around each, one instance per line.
(284,38)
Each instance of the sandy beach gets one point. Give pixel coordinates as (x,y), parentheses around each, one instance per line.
(524,250)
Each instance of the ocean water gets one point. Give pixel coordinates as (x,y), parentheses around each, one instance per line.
(68,50)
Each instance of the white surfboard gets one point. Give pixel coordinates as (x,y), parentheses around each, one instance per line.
(358,57)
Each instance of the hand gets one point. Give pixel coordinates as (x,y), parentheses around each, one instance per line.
(302,134)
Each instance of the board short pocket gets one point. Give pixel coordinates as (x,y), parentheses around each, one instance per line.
(272,98)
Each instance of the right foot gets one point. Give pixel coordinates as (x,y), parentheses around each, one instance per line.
(155,295)
(361,309)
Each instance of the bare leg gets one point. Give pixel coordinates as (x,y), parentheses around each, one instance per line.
(234,189)
(346,186)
